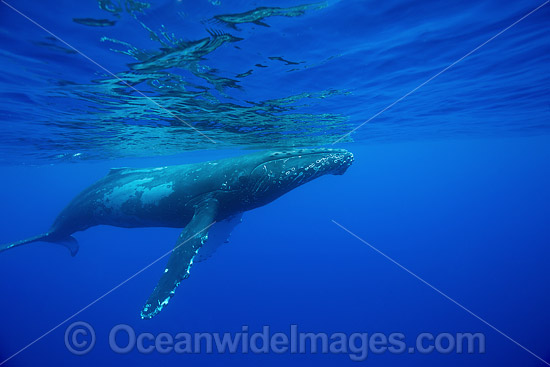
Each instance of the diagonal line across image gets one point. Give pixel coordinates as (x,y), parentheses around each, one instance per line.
(441,293)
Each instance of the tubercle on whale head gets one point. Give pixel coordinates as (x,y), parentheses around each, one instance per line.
(278,172)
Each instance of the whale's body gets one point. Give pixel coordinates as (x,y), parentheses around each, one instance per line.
(191,196)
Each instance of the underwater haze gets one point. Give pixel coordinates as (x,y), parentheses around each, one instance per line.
(431,249)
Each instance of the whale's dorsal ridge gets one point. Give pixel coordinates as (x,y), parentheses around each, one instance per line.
(128,170)
(119,170)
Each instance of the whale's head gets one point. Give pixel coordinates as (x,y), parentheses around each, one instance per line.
(278,172)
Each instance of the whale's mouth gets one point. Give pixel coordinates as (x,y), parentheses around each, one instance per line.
(347,161)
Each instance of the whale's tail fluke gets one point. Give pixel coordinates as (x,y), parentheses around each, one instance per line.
(68,241)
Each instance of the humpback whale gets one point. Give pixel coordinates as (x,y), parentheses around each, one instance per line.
(205,199)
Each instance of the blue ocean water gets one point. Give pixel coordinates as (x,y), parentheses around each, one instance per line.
(451,183)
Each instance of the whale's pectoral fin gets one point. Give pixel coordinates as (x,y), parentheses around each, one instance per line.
(189,243)
(218,235)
